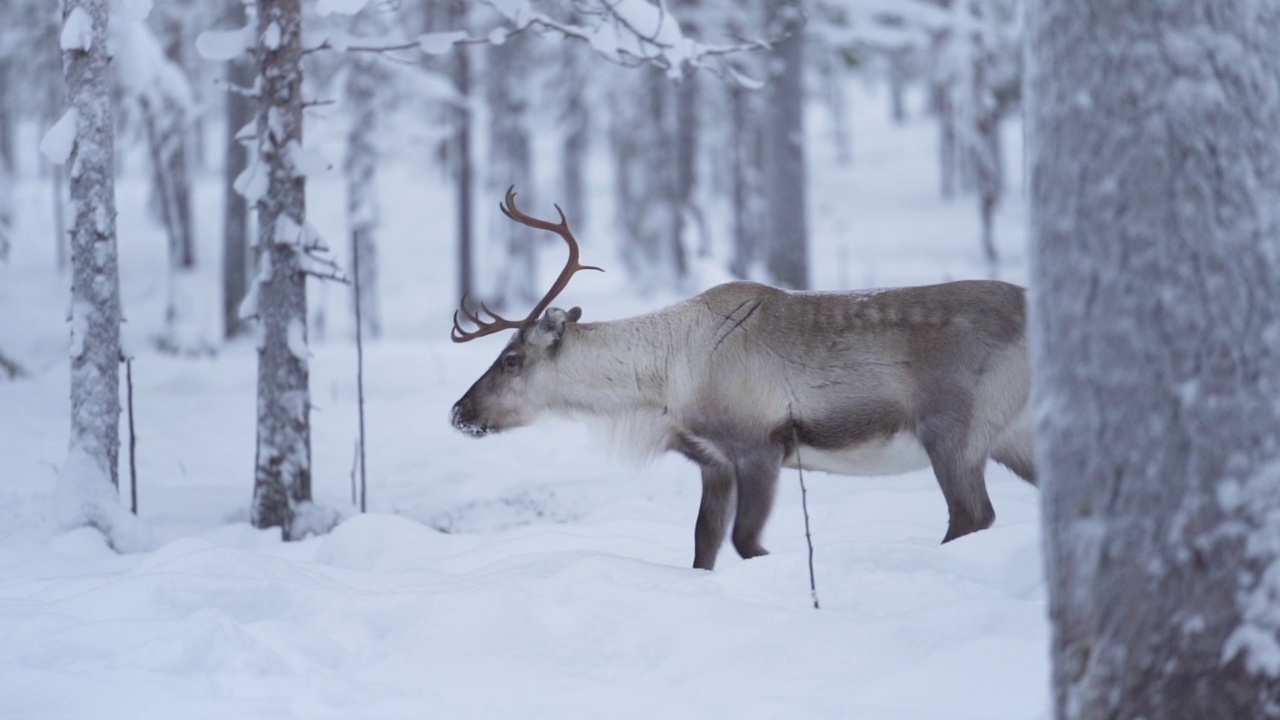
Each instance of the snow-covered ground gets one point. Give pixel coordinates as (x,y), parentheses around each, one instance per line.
(525,575)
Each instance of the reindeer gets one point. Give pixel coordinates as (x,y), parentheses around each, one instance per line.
(745,379)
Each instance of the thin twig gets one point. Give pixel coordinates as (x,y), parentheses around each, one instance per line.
(355,462)
(133,440)
(804,504)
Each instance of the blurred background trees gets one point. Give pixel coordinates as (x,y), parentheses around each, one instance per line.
(675,135)
(536,110)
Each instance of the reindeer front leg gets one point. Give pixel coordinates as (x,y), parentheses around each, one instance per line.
(713,515)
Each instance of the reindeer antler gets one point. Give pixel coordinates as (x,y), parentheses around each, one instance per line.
(572,266)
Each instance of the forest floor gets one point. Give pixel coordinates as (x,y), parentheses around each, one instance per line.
(530,574)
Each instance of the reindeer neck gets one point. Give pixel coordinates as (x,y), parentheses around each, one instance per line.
(617,366)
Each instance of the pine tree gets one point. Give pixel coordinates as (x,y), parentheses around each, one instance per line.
(282,480)
(86,490)
(1155,178)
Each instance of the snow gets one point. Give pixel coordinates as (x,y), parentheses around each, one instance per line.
(254,180)
(135,11)
(341,7)
(77,30)
(271,37)
(296,337)
(84,495)
(530,574)
(438,43)
(223,45)
(57,143)
(307,162)
(79,328)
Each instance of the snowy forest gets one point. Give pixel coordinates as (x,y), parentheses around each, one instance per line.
(877,274)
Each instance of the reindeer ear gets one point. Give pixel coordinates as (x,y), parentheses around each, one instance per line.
(548,331)
(575,314)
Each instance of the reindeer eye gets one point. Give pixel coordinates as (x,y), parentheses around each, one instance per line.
(512,361)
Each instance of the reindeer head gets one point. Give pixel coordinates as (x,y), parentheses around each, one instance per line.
(518,384)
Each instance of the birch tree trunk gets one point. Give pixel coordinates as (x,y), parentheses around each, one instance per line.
(1155,183)
(282,481)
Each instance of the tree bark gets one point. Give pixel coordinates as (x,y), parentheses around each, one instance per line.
(95,281)
(1155,178)
(283,475)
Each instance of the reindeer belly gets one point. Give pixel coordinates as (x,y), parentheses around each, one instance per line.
(892,455)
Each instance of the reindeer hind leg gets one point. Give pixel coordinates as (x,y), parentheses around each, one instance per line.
(757,480)
(945,435)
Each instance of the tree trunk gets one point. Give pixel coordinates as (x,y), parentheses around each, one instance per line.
(507,85)
(1155,175)
(236,263)
(95,283)
(787,258)
(283,476)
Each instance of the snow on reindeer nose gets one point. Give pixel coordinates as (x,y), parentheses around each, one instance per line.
(460,418)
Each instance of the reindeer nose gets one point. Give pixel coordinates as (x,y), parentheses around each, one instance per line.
(460,414)
(463,417)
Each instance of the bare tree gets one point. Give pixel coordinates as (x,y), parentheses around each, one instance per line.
(1155,175)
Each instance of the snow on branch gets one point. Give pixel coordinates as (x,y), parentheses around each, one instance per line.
(625,32)
(57,143)
(313,256)
(223,45)
(77,31)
